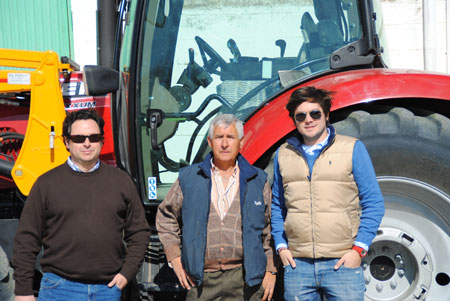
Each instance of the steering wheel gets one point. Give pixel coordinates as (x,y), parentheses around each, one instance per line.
(215,60)
(274,79)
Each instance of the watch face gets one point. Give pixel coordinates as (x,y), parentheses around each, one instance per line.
(363,252)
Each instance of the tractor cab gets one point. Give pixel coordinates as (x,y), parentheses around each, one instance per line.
(191,60)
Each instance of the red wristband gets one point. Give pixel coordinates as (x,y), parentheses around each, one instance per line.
(360,251)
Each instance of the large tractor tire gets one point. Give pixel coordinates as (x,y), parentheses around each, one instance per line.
(409,258)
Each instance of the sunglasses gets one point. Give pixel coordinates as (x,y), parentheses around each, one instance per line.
(315,114)
(81,138)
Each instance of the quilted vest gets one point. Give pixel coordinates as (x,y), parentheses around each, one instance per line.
(323,210)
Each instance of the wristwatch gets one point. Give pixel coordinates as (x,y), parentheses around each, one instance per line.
(360,251)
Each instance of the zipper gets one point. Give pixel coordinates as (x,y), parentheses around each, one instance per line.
(312,219)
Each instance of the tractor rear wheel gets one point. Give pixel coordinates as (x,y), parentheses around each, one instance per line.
(411,155)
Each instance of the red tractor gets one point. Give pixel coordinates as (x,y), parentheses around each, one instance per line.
(182,62)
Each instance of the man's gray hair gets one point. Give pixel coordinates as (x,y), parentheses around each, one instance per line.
(226,120)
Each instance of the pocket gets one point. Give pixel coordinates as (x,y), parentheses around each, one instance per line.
(50,280)
(350,268)
(287,269)
(346,267)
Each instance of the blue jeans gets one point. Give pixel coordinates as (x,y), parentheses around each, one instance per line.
(314,278)
(55,288)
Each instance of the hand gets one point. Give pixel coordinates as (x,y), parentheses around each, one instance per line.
(24,298)
(119,280)
(268,284)
(185,279)
(286,258)
(351,259)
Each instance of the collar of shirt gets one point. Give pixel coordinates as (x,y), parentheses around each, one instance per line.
(77,169)
(215,170)
(311,149)
(222,197)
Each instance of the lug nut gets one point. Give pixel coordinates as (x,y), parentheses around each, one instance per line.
(393,284)
(379,287)
(401,272)
(367,279)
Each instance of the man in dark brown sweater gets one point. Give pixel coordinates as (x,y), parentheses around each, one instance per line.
(81,213)
(222,207)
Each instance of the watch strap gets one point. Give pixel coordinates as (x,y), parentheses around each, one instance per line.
(360,251)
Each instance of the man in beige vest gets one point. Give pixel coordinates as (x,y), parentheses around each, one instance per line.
(327,204)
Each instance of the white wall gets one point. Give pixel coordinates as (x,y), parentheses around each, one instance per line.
(84,31)
(418,33)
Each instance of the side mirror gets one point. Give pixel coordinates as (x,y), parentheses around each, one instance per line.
(99,80)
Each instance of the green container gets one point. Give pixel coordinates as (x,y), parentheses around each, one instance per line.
(37,25)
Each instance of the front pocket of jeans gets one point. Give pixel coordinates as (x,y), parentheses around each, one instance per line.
(349,268)
(50,283)
(287,269)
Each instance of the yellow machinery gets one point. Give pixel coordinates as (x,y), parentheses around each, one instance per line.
(39,74)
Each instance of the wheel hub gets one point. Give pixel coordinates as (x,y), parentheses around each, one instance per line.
(408,258)
(382,268)
(396,267)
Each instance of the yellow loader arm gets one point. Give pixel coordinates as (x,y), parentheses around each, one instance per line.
(43,147)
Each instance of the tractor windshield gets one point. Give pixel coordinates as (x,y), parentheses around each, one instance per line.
(198,58)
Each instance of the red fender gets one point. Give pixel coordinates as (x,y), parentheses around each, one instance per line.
(267,126)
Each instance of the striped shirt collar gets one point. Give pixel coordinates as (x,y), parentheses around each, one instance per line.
(77,169)
(222,197)
(214,168)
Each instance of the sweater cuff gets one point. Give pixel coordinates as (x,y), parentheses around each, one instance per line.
(24,289)
(361,245)
(127,272)
(281,245)
(172,252)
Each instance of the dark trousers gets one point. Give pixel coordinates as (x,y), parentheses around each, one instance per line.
(225,285)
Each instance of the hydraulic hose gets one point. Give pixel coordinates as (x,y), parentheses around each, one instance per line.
(6,168)
(10,135)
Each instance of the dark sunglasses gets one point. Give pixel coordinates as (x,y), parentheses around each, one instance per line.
(81,138)
(315,114)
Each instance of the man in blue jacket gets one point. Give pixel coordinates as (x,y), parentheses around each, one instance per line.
(327,204)
(222,207)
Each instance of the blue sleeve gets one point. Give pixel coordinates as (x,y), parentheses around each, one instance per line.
(371,199)
(278,207)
